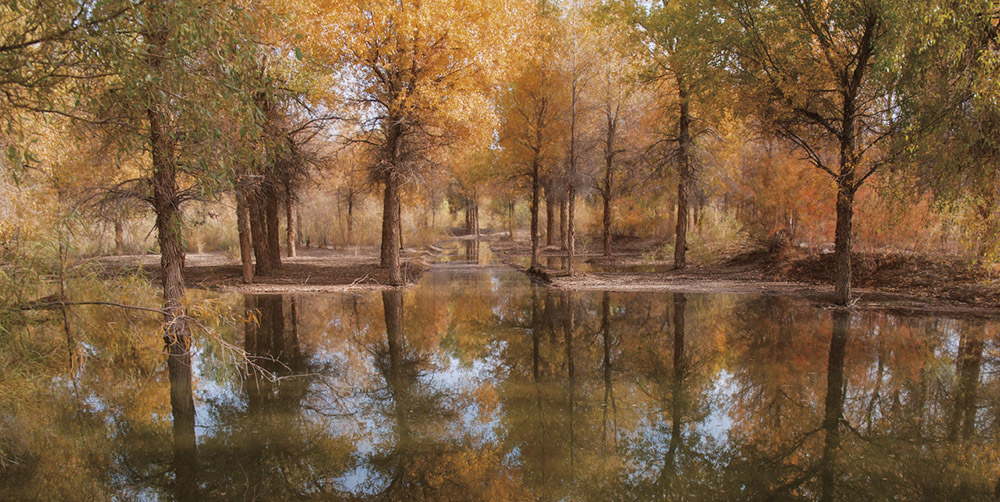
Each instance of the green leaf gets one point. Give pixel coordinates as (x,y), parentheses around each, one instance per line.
(298,54)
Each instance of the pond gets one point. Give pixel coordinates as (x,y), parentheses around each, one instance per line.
(478,385)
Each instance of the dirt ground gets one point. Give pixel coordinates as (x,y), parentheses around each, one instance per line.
(313,270)
(887,281)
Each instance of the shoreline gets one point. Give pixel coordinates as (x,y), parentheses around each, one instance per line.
(735,276)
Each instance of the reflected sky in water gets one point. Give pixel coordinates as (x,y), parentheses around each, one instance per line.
(478,385)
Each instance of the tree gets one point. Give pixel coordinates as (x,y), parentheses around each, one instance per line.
(530,131)
(529,135)
(417,74)
(675,35)
(578,69)
(615,97)
(826,74)
(950,116)
(166,80)
(43,46)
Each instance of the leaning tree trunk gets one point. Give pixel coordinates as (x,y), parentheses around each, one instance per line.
(390,229)
(243,229)
(684,175)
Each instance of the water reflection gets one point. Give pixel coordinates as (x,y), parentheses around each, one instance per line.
(479,385)
(184,463)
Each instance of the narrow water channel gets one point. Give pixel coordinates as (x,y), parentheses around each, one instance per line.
(478,385)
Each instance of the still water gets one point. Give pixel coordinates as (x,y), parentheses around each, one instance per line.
(478,385)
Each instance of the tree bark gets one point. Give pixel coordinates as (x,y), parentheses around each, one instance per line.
(571,182)
(570,228)
(606,192)
(563,233)
(291,219)
(510,220)
(842,245)
(468,217)
(258,229)
(845,205)
(535,188)
(399,222)
(684,175)
(166,203)
(243,229)
(550,213)
(350,217)
(119,233)
(271,205)
(390,229)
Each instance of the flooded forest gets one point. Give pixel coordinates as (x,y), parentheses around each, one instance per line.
(500,250)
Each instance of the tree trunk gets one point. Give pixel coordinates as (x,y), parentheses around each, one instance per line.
(563,233)
(606,194)
(842,245)
(350,217)
(550,214)
(510,220)
(399,222)
(119,233)
(475,213)
(243,229)
(258,229)
(468,217)
(535,188)
(684,177)
(570,228)
(291,220)
(571,182)
(166,204)
(271,206)
(845,202)
(390,229)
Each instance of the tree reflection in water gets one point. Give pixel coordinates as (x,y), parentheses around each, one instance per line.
(480,385)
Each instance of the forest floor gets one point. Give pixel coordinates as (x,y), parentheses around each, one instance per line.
(881,280)
(312,270)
